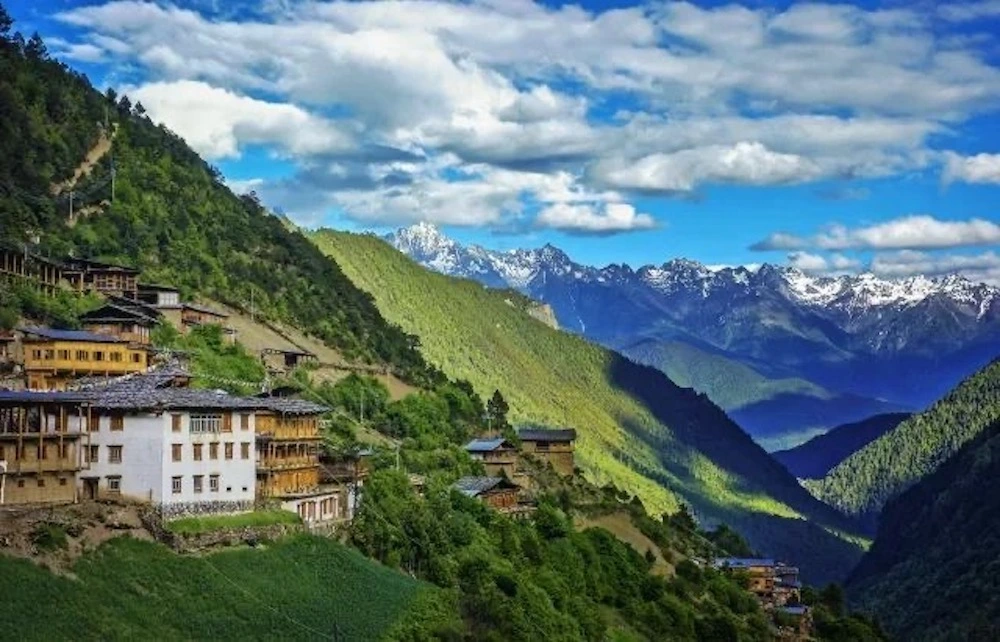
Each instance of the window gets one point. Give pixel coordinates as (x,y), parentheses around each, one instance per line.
(115,454)
(63,355)
(63,452)
(18,453)
(198,483)
(245,450)
(205,423)
(20,483)
(62,481)
(244,489)
(117,422)
(244,422)
(115,485)
(542,446)
(213,483)
(175,485)
(136,357)
(36,355)
(43,451)
(227,422)
(115,356)
(2,453)
(175,423)
(98,355)
(175,452)
(41,482)
(49,355)
(213,450)
(229,450)
(229,489)
(93,454)
(82,355)
(197,451)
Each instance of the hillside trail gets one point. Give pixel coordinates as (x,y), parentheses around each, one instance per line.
(96,153)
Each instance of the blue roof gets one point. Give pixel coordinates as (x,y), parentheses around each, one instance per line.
(486,445)
(742,562)
(71,335)
(36,396)
(475,486)
(794,610)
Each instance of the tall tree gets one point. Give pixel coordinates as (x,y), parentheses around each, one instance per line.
(496,412)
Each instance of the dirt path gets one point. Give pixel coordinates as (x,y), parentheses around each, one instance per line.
(96,153)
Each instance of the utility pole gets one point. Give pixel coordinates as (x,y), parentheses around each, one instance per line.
(71,205)
(251,303)
(112,178)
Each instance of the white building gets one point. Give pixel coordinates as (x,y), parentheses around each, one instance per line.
(186,451)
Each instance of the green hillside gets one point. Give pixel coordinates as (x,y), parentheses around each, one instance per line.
(862,483)
(728,383)
(304,588)
(932,574)
(170,215)
(778,412)
(638,430)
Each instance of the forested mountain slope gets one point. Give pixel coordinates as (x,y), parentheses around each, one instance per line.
(815,458)
(862,483)
(932,573)
(170,215)
(637,428)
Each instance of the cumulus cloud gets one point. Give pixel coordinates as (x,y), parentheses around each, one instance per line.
(968,11)
(743,163)
(983,267)
(981,168)
(590,219)
(820,264)
(727,94)
(215,122)
(910,232)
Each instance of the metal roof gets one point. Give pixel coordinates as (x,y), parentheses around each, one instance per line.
(475,486)
(545,434)
(487,445)
(36,396)
(113,312)
(71,335)
(742,562)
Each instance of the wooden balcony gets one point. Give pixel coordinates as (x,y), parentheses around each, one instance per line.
(286,463)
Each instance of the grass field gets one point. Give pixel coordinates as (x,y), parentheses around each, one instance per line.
(196,525)
(301,588)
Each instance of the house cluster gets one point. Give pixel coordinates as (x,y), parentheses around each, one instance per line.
(775,584)
(504,485)
(151,438)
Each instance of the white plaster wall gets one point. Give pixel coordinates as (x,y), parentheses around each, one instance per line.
(141,467)
(147,468)
(237,477)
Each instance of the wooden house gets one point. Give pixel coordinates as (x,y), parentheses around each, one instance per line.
(41,436)
(53,358)
(759,571)
(552,446)
(84,275)
(281,360)
(497,492)
(159,295)
(288,465)
(787,587)
(124,322)
(18,264)
(498,455)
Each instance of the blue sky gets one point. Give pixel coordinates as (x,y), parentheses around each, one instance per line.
(833,137)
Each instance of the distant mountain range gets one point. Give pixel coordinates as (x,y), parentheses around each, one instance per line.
(852,346)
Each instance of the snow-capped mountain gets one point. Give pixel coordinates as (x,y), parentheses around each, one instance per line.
(906,340)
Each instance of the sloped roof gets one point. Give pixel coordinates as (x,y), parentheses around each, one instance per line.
(36,396)
(487,445)
(197,307)
(742,562)
(545,434)
(475,486)
(113,312)
(71,335)
(77,265)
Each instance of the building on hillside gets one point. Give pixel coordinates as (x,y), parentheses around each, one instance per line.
(552,446)
(54,358)
(84,275)
(186,451)
(186,315)
(498,455)
(159,295)
(787,587)
(288,465)
(497,492)
(41,436)
(281,360)
(760,571)
(349,471)
(18,264)
(10,354)
(127,323)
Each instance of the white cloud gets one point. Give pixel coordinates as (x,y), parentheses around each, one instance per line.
(742,163)
(968,11)
(589,219)
(910,232)
(216,122)
(983,267)
(819,264)
(981,168)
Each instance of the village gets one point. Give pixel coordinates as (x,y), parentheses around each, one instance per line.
(100,414)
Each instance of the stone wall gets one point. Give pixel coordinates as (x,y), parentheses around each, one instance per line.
(198,509)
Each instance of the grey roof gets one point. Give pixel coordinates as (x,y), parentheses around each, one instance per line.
(203,308)
(475,486)
(545,434)
(113,312)
(154,287)
(293,406)
(487,445)
(71,335)
(35,396)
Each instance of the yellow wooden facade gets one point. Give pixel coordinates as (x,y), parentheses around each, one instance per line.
(52,363)
(287,454)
